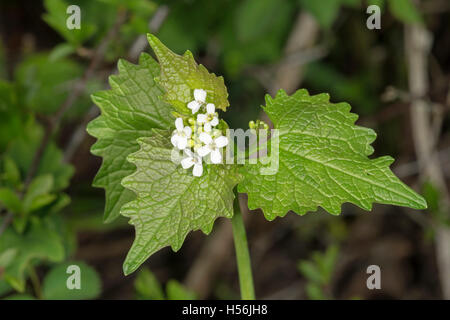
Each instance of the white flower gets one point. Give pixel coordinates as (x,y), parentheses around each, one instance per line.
(181,134)
(209,119)
(200,138)
(192,159)
(199,100)
(212,147)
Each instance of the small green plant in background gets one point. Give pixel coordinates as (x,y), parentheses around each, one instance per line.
(36,232)
(318,270)
(55,284)
(147,287)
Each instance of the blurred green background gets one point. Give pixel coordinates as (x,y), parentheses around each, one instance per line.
(51,217)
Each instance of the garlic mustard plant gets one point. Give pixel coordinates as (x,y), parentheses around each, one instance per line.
(154,108)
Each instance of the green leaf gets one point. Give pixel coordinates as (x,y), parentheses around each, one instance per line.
(55,283)
(246,42)
(39,186)
(358,89)
(41,201)
(147,286)
(173,35)
(405,11)
(11,115)
(310,271)
(61,51)
(315,292)
(11,172)
(56,17)
(7,257)
(436,207)
(44,83)
(129,110)
(252,19)
(325,11)
(62,201)
(171,202)
(23,148)
(39,241)
(322,161)
(176,291)
(10,200)
(328,262)
(180,75)
(52,163)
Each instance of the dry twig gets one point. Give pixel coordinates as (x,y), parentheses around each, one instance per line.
(417,46)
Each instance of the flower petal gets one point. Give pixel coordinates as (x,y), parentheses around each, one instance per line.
(210,108)
(182,142)
(200,95)
(198,170)
(187,131)
(207,127)
(221,141)
(179,124)
(205,138)
(188,162)
(189,153)
(214,122)
(203,151)
(174,139)
(201,118)
(194,106)
(216,156)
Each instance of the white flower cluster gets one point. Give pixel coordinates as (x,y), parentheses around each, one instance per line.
(197,135)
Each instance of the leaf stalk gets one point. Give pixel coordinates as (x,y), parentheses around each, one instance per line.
(242,253)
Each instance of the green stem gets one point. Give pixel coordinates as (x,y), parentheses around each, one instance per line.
(242,254)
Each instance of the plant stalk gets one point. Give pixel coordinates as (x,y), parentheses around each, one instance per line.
(242,254)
